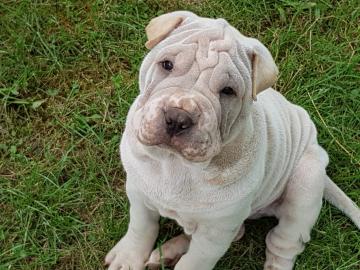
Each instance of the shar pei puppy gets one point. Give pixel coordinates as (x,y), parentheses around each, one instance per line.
(210,144)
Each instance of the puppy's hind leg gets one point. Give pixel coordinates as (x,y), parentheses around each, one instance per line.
(173,249)
(171,252)
(298,211)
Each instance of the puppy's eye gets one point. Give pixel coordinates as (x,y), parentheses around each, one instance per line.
(228,91)
(167,65)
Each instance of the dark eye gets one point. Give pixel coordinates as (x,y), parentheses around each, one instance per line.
(228,91)
(167,65)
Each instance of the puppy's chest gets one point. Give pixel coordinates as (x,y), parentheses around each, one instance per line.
(169,185)
(176,187)
(176,194)
(189,221)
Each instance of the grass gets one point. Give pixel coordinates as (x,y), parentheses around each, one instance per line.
(68,73)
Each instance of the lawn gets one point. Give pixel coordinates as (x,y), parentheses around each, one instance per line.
(68,73)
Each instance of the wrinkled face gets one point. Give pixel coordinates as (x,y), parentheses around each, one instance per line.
(195,87)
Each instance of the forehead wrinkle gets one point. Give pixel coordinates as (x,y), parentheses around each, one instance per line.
(204,56)
(207,54)
(209,47)
(226,43)
(233,70)
(227,66)
(210,33)
(173,50)
(241,59)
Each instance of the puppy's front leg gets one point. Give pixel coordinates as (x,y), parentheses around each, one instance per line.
(208,244)
(134,248)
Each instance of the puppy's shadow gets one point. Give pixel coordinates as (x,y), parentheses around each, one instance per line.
(248,253)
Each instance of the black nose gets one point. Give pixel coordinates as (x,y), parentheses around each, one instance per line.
(177,121)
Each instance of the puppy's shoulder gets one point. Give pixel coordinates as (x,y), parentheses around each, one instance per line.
(273,102)
(271,96)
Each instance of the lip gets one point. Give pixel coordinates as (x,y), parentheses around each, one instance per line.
(145,142)
(168,147)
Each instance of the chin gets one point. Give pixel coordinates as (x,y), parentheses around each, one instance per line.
(188,156)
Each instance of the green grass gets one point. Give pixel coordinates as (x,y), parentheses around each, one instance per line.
(68,73)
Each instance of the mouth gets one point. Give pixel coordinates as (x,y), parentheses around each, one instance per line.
(183,145)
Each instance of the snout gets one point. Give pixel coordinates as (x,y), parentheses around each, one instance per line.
(177,121)
(166,124)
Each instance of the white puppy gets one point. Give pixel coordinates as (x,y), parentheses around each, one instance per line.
(203,147)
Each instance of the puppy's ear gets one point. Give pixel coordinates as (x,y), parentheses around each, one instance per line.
(160,27)
(264,69)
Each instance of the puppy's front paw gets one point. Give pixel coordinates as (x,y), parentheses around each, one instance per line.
(126,256)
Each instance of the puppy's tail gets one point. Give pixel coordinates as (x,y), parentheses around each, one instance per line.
(338,198)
